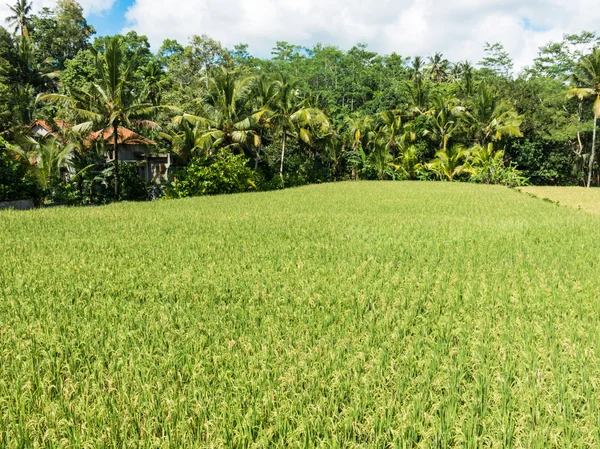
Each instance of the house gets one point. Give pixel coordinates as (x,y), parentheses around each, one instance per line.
(41,128)
(132,147)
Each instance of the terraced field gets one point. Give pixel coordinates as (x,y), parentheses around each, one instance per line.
(365,314)
(576,197)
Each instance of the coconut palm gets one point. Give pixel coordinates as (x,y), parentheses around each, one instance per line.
(485,161)
(265,90)
(380,158)
(110,102)
(19,19)
(48,157)
(417,87)
(226,113)
(408,163)
(450,163)
(186,143)
(361,130)
(291,118)
(587,84)
(438,67)
(491,119)
(391,130)
(443,119)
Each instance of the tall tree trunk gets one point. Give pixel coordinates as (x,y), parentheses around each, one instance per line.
(593,155)
(116,150)
(282,156)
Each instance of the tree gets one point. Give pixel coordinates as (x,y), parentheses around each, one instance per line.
(60,34)
(418,88)
(226,112)
(265,92)
(187,143)
(438,67)
(408,164)
(110,102)
(497,60)
(450,163)
(20,19)
(558,60)
(492,119)
(587,84)
(48,158)
(443,119)
(291,118)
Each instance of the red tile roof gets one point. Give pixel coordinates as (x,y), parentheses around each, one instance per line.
(125,137)
(44,124)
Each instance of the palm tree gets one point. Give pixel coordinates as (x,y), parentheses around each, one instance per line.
(187,143)
(110,102)
(47,157)
(265,92)
(485,161)
(438,68)
(380,158)
(292,119)
(492,119)
(361,129)
(466,69)
(587,81)
(451,163)
(153,78)
(391,130)
(444,119)
(408,163)
(226,114)
(418,89)
(20,17)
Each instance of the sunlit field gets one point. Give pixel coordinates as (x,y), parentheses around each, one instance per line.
(576,197)
(366,314)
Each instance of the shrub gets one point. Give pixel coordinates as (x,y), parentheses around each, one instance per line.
(221,173)
(15,182)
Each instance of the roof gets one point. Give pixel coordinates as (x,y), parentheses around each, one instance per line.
(125,137)
(48,127)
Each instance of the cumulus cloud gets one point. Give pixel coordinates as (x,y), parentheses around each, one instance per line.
(458,28)
(89,6)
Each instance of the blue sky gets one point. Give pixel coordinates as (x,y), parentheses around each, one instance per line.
(457,28)
(112,21)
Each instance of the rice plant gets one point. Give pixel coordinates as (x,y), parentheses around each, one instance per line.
(400,315)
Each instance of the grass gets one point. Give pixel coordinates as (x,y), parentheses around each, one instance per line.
(576,197)
(345,315)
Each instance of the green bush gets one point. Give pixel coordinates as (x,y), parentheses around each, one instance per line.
(221,173)
(15,182)
(132,187)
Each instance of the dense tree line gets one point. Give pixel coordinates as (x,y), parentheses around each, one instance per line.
(235,122)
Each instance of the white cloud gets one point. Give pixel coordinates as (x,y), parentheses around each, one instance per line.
(458,28)
(89,6)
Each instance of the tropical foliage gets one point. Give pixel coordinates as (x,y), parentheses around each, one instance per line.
(306,115)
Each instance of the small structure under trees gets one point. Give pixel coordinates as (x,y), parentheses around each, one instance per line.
(133,148)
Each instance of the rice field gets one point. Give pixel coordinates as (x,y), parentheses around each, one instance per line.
(366,314)
(576,197)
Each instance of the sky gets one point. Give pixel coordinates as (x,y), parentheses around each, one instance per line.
(457,28)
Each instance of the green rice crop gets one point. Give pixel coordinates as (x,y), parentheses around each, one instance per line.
(577,197)
(347,315)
